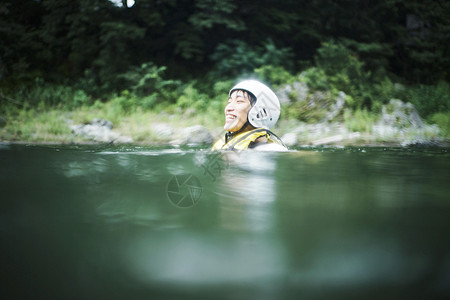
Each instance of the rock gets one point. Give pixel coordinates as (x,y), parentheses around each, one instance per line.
(102,123)
(100,130)
(290,139)
(163,130)
(189,112)
(322,133)
(122,139)
(401,115)
(323,107)
(318,106)
(336,139)
(336,108)
(295,92)
(401,121)
(197,135)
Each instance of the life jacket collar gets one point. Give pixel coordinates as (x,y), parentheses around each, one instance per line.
(243,140)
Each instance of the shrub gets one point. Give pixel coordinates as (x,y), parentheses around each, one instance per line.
(360,120)
(429,99)
(385,90)
(338,69)
(443,121)
(274,75)
(192,98)
(65,97)
(146,80)
(315,78)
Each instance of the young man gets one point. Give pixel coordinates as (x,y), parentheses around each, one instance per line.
(252,109)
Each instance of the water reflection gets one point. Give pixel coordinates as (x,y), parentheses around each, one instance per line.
(318,223)
(247,191)
(360,261)
(84,168)
(243,250)
(187,258)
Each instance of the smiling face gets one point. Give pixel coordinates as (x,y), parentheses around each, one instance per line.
(236,110)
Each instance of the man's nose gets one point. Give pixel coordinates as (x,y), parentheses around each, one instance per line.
(229,107)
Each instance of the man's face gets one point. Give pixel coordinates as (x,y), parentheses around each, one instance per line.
(236,110)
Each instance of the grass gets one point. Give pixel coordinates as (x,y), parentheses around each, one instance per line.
(46,124)
(359,120)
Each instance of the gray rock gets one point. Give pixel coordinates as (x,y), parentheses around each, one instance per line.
(295,92)
(399,114)
(163,130)
(336,108)
(401,121)
(99,130)
(324,105)
(319,106)
(190,112)
(321,133)
(102,123)
(122,139)
(197,135)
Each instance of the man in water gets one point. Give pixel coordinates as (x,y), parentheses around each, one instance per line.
(252,109)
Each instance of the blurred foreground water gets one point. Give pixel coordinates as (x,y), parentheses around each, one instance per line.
(92,222)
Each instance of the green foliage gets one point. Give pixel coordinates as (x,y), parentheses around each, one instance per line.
(191,98)
(147,87)
(315,78)
(125,102)
(146,79)
(115,40)
(61,39)
(339,69)
(302,112)
(384,90)
(20,43)
(221,88)
(211,12)
(236,58)
(335,58)
(49,94)
(69,53)
(359,120)
(429,99)
(274,75)
(443,121)
(426,44)
(42,124)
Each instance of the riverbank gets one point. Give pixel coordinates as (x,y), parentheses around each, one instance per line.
(100,125)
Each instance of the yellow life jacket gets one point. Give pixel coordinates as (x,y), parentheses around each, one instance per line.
(243,140)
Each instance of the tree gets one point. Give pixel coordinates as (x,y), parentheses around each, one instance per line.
(20,46)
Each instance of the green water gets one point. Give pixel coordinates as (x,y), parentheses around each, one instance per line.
(98,222)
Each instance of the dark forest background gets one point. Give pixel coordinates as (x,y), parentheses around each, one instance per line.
(157,47)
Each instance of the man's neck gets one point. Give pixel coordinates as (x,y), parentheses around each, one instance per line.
(230,135)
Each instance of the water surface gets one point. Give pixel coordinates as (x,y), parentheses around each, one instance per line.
(138,222)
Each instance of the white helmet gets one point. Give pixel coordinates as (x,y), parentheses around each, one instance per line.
(266,110)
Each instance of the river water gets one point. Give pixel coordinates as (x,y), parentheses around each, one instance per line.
(96,222)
